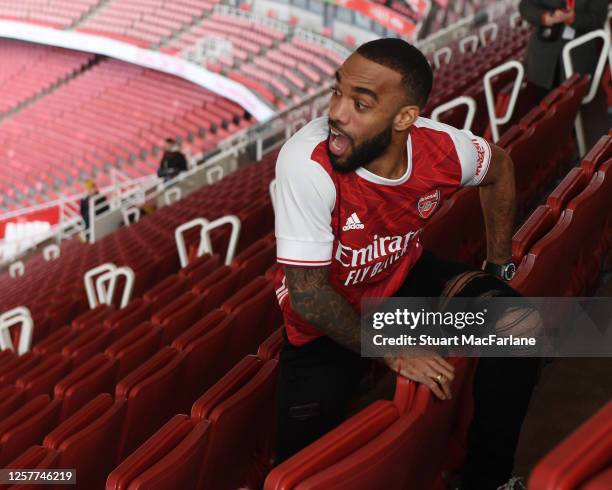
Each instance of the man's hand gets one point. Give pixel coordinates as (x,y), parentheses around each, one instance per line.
(558,16)
(432,371)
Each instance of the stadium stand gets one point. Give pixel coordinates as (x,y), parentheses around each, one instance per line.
(145,23)
(30,71)
(84,137)
(52,13)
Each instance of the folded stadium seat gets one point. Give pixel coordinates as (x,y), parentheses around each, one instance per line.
(584,454)
(42,378)
(170,459)
(566,111)
(538,224)
(392,445)
(64,311)
(11,399)
(18,365)
(456,230)
(179,315)
(27,426)
(92,317)
(134,348)
(199,268)
(163,293)
(95,376)
(56,341)
(89,342)
(217,287)
(88,440)
(252,308)
(600,153)
(124,320)
(244,394)
(34,458)
(255,259)
(572,184)
(271,347)
(576,243)
(529,153)
(205,362)
(150,392)
(601,481)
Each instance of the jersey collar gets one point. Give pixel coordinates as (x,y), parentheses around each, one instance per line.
(377,179)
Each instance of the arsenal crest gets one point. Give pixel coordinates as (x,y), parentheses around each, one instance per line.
(428,204)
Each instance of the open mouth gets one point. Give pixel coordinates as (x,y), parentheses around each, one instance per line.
(338,142)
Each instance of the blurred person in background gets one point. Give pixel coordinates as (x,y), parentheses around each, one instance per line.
(556,23)
(100,203)
(173,161)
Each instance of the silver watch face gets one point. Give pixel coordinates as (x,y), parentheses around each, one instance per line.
(508,271)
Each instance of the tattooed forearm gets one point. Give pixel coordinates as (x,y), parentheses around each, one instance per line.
(313,298)
(498,200)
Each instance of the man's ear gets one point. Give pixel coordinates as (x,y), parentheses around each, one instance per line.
(406,117)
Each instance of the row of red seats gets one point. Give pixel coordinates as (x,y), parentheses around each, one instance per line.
(53,13)
(563,245)
(137,365)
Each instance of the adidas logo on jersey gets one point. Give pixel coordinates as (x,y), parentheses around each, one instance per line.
(353,223)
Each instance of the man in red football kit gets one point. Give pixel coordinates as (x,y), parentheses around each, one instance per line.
(354,190)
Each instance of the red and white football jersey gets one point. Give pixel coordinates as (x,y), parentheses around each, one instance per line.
(365,227)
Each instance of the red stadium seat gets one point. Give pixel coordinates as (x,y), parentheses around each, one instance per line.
(17,366)
(42,378)
(580,459)
(251,307)
(88,440)
(89,342)
(150,393)
(170,459)
(27,426)
(271,347)
(201,267)
(36,457)
(166,291)
(571,185)
(535,227)
(92,317)
(127,318)
(134,348)
(243,395)
(206,361)
(179,315)
(255,260)
(600,153)
(217,287)
(11,398)
(84,383)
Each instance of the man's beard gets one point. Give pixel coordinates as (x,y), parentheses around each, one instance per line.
(363,154)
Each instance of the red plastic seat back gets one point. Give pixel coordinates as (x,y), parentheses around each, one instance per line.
(580,456)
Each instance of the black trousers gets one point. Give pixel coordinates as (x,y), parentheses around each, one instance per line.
(317,381)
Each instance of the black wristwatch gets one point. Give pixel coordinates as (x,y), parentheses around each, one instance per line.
(504,271)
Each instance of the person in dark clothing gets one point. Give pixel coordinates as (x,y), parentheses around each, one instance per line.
(557,22)
(173,162)
(100,202)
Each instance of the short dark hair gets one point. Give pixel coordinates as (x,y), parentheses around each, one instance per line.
(170,141)
(405,59)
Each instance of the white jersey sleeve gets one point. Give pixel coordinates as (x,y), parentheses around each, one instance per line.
(305,198)
(474,155)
